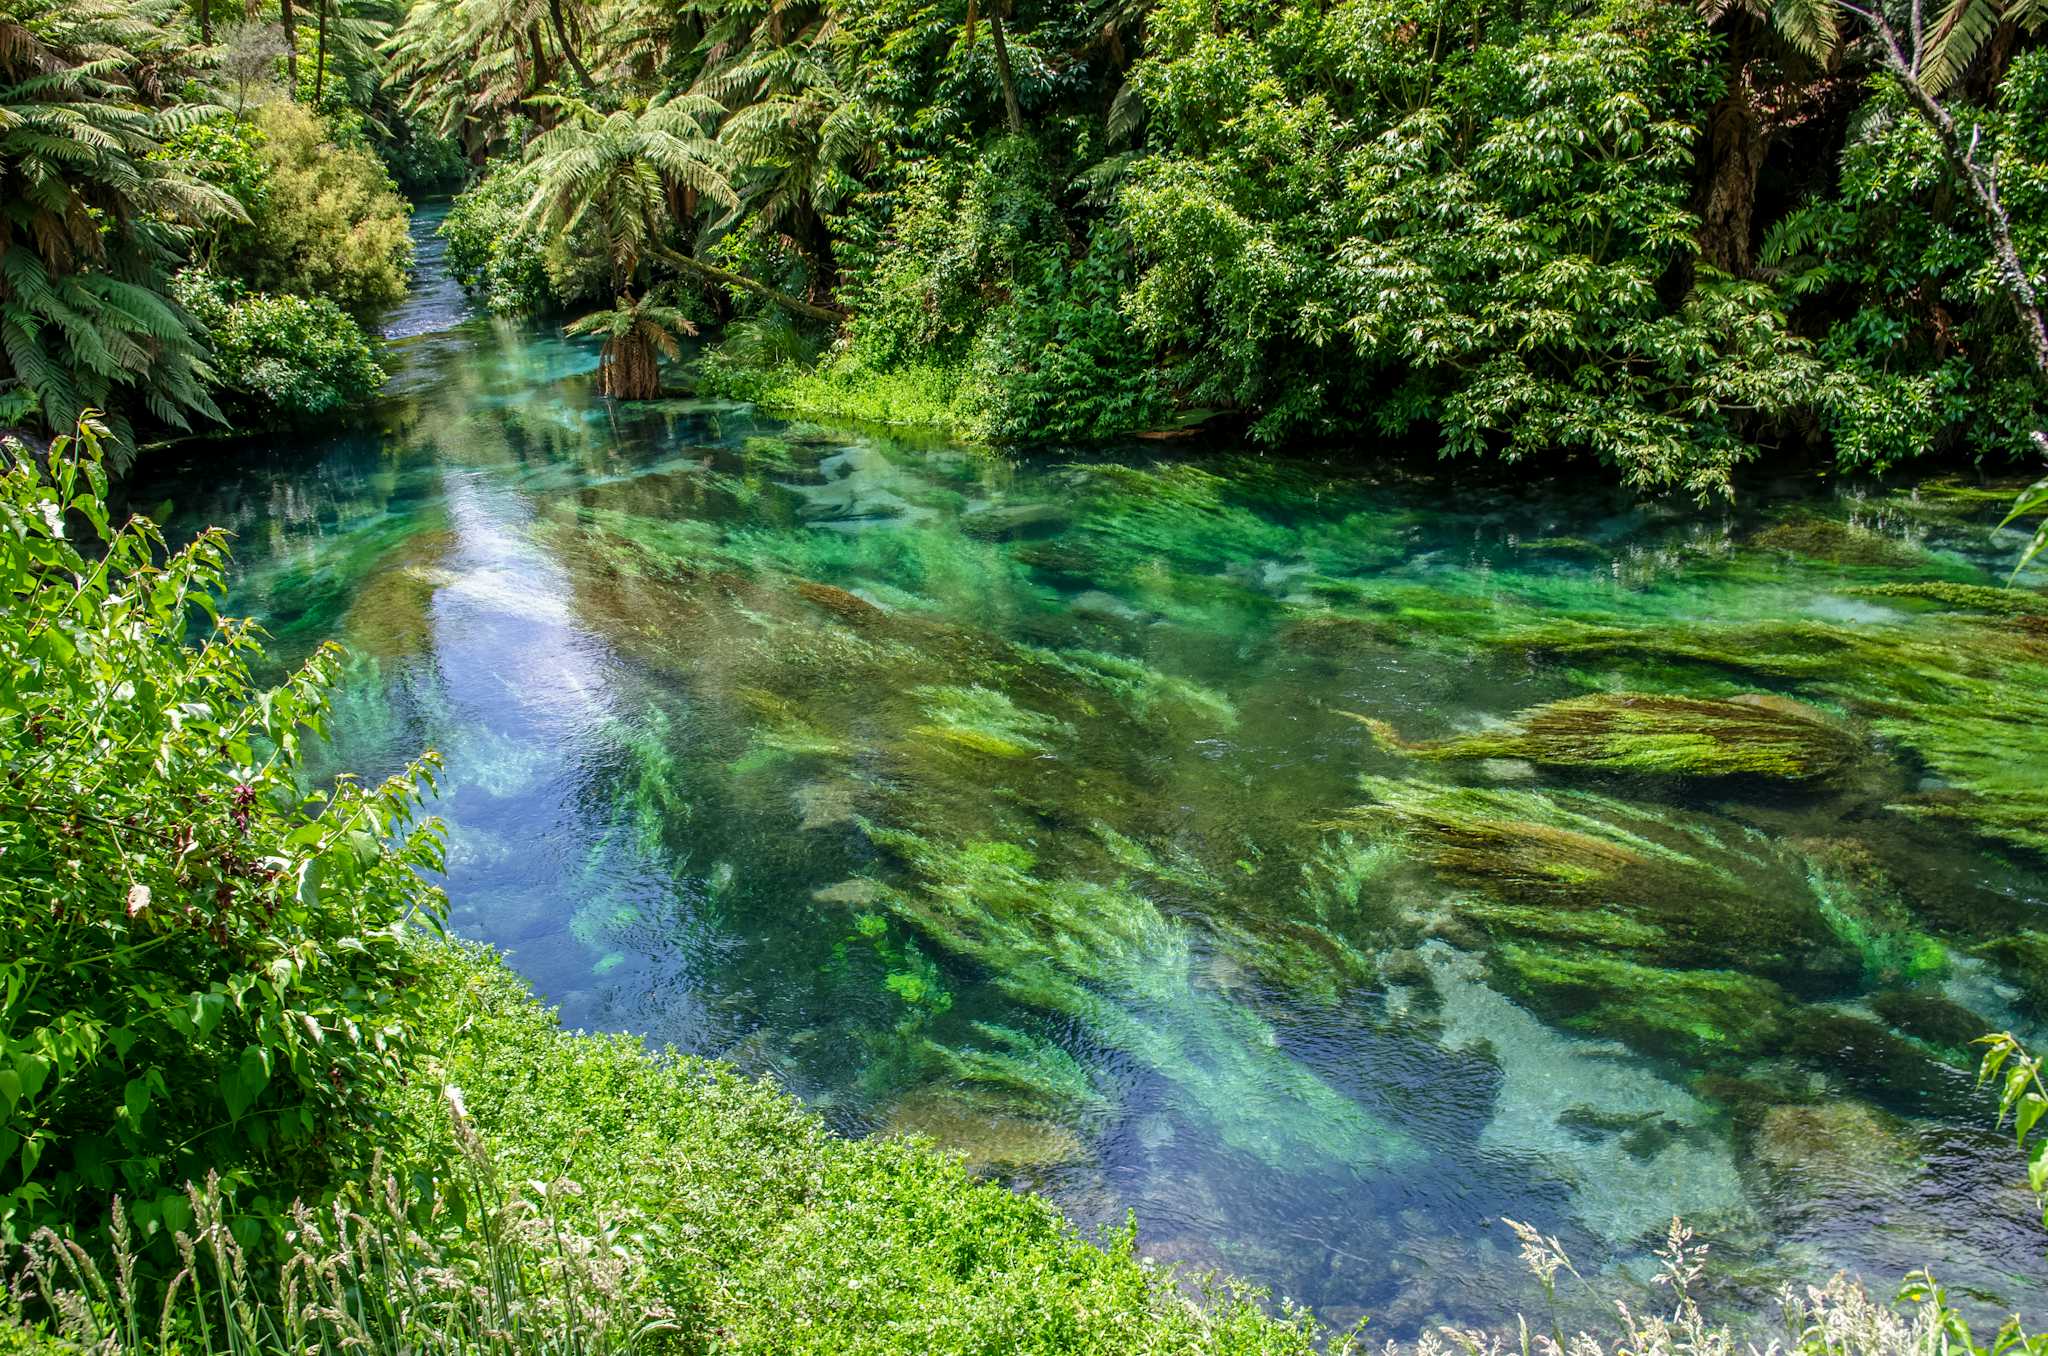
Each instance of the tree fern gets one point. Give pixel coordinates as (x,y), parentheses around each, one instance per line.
(88,219)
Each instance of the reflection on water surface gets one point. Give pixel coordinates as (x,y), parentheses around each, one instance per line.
(1321,867)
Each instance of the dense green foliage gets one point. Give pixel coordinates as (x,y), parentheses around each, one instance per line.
(324,220)
(131,146)
(1659,237)
(207,970)
(90,220)
(494,256)
(1917,352)
(280,359)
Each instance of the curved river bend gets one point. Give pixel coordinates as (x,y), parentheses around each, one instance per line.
(1206,838)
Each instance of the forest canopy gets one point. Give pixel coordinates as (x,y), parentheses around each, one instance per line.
(1665,237)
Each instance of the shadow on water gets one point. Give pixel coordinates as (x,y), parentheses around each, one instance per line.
(1172,835)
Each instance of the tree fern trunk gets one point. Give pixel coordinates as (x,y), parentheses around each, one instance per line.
(1734,159)
(291,47)
(561,27)
(627,370)
(1015,114)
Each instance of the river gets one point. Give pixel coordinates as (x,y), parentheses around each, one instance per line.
(1321,860)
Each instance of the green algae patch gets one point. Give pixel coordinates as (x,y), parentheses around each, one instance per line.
(1836,543)
(985,721)
(1561,871)
(1756,734)
(1103,955)
(1945,596)
(1864,909)
(1700,1016)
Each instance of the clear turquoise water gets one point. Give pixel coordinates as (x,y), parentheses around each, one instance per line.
(1022,802)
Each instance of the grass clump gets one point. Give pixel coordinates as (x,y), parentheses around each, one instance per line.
(941,398)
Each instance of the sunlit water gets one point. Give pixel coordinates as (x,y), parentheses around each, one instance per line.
(1025,803)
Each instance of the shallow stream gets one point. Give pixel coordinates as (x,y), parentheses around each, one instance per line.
(1321,863)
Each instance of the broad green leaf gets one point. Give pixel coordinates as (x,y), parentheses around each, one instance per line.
(242,1082)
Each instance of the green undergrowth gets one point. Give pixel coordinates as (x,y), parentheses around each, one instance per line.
(765,1232)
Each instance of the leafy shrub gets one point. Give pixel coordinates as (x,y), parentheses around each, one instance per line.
(207,967)
(90,219)
(226,152)
(972,314)
(488,253)
(329,224)
(280,359)
(1337,232)
(505,263)
(1921,352)
(423,163)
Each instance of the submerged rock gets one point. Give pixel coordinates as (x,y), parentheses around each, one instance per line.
(1825,1150)
(1931,1017)
(855,892)
(823,804)
(1756,734)
(847,607)
(1939,595)
(1000,522)
(391,615)
(989,1141)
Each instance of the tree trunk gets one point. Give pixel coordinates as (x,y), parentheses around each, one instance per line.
(206,23)
(627,369)
(568,47)
(1015,114)
(1736,143)
(320,65)
(794,305)
(291,47)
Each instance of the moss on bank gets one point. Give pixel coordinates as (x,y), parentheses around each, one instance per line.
(935,397)
(766,1232)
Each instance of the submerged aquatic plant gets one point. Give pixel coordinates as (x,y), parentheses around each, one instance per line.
(1104,955)
(1755,734)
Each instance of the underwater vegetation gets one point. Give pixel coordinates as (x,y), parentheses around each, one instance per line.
(1263,845)
(1754,734)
